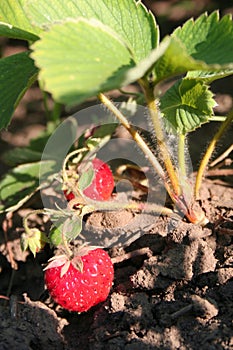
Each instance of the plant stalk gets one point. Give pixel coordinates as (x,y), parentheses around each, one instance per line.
(209,152)
(134,206)
(181,156)
(136,137)
(155,118)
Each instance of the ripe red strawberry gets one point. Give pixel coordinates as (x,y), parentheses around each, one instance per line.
(102,185)
(77,290)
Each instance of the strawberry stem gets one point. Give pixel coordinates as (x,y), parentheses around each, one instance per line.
(209,152)
(155,118)
(134,206)
(181,156)
(136,137)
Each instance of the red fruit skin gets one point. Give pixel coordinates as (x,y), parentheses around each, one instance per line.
(79,291)
(102,185)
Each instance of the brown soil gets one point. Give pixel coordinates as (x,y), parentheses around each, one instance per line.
(173,286)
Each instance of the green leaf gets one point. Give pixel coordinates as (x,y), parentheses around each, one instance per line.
(86,178)
(208,38)
(13,13)
(186,105)
(204,45)
(80,59)
(19,184)
(209,76)
(34,151)
(175,60)
(10,31)
(55,235)
(20,155)
(145,66)
(217,118)
(128,18)
(17,73)
(72,227)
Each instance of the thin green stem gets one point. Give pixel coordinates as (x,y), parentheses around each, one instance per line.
(155,118)
(136,137)
(181,156)
(209,152)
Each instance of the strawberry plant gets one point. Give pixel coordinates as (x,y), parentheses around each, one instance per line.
(84,49)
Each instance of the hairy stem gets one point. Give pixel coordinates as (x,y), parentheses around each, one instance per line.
(154,114)
(136,137)
(209,152)
(181,156)
(134,206)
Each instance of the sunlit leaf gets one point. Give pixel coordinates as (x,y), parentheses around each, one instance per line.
(130,19)
(13,13)
(80,59)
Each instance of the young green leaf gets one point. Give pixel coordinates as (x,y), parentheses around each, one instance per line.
(80,59)
(19,184)
(17,73)
(13,13)
(134,24)
(187,105)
